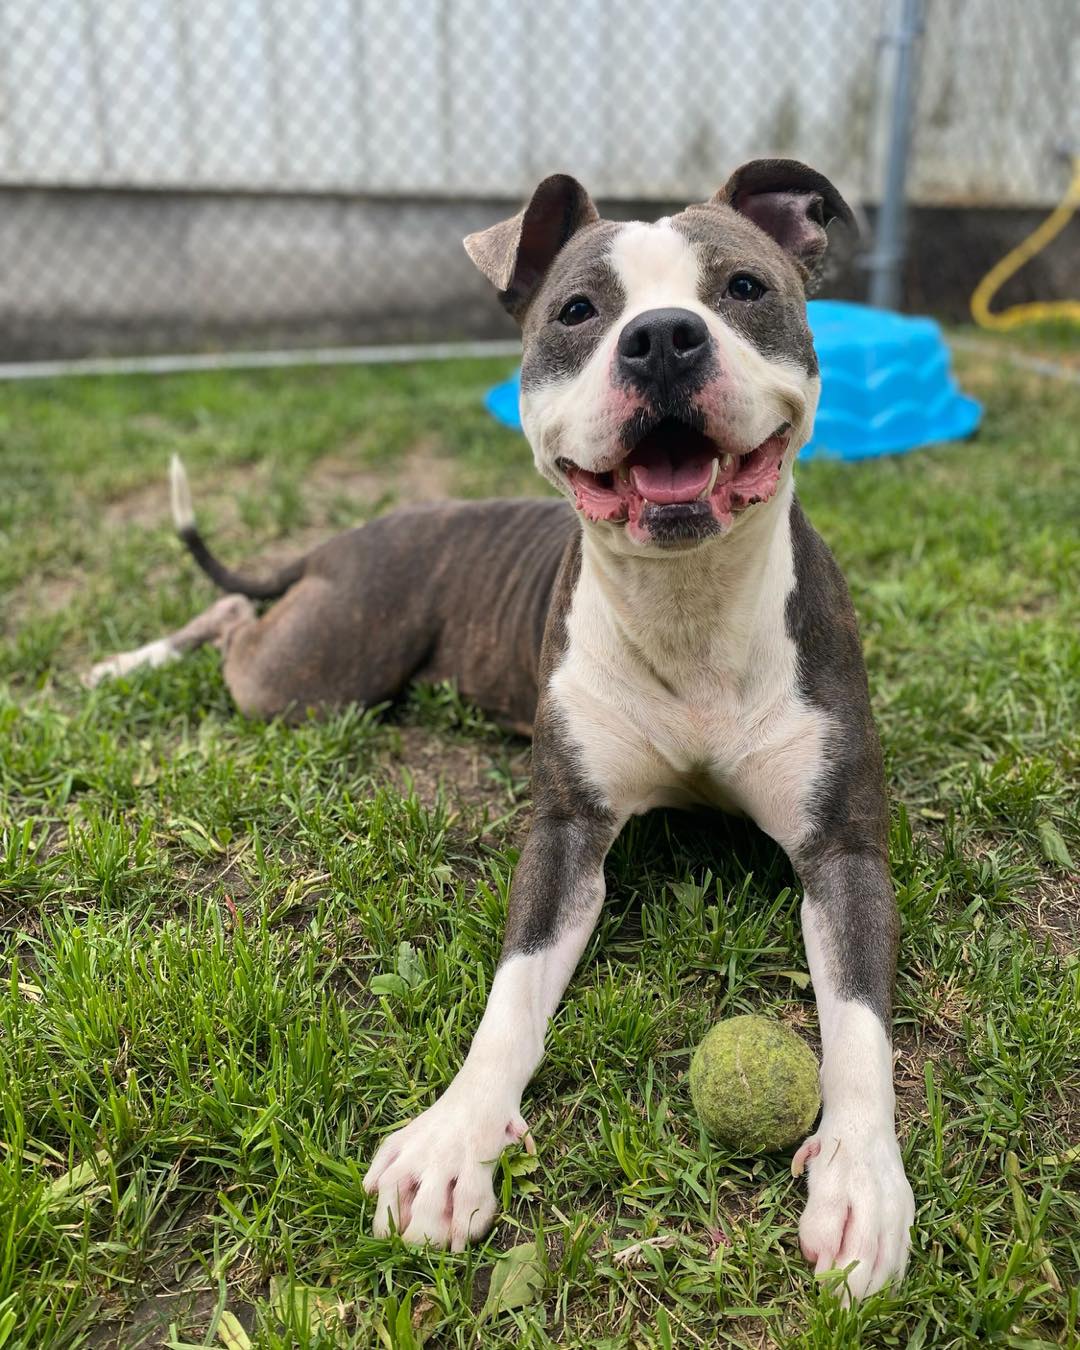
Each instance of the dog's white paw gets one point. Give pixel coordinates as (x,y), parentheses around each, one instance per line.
(860,1206)
(433,1177)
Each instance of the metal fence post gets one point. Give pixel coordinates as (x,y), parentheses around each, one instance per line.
(885,260)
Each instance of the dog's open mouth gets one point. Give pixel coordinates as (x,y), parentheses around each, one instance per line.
(675,465)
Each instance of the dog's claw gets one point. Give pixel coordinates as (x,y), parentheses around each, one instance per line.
(808,1149)
(518,1132)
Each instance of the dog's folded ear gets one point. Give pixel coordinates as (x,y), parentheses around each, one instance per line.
(515,254)
(792,203)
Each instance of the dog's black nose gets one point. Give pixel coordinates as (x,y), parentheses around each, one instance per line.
(663,347)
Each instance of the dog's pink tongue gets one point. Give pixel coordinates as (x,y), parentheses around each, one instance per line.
(660,479)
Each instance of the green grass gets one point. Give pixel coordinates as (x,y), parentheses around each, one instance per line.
(194,1066)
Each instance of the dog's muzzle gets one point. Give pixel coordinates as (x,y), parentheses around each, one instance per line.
(677,483)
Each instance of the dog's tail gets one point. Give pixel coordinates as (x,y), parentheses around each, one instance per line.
(183,514)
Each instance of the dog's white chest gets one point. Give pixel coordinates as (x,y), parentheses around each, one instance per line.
(696,740)
(696,709)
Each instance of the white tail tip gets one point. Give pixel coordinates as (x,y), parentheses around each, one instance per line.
(183,513)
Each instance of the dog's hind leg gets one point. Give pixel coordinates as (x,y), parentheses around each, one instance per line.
(217,625)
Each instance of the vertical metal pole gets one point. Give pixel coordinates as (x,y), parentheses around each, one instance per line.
(887,256)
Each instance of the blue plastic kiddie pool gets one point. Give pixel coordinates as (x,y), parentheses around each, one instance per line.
(886,385)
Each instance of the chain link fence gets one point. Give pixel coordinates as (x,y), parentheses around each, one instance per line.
(200,174)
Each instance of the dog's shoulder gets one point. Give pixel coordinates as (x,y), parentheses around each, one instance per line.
(821,621)
(819,613)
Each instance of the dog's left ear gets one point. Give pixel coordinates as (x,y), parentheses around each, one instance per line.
(515,254)
(792,203)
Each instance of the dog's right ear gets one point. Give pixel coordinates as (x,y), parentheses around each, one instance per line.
(515,254)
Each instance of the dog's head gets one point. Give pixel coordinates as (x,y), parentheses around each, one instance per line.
(668,375)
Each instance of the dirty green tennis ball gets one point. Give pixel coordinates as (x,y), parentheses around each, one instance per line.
(754,1085)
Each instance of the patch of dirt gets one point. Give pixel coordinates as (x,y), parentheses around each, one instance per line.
(339,476)
(147,506)
(419,475)
(1067,1115)
(146,1323)
(52,594)
(422,475)
(910,1057)
(1055,915)
(149,1314)
(463,770)
(39,598)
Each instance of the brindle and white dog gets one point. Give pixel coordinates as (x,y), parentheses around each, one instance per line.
(679,636)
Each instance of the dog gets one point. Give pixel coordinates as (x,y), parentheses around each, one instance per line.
(671,632)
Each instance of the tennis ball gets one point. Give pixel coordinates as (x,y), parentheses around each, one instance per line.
(754,1085)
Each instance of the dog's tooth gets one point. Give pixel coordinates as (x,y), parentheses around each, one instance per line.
(624,474)
(726,461)
(705,493)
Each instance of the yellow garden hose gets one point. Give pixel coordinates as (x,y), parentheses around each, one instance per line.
(1012,262)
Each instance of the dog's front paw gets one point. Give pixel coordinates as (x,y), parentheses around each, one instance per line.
(433,1176)
(860,1206)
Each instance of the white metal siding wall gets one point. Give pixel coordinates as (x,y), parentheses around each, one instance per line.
(641,98)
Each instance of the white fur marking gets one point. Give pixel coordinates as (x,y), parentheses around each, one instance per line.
(152,655)
(433,1176)
(656,265)
(183,513)
(860,1207)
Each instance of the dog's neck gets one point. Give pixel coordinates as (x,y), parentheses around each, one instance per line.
(687,606)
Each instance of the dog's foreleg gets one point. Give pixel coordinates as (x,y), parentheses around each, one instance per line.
(860,1206)
(433,1177)
(216,624)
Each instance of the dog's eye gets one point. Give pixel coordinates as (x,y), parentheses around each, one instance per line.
(743,286)
(576,311)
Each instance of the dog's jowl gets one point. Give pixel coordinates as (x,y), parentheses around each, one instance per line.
(676,635)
